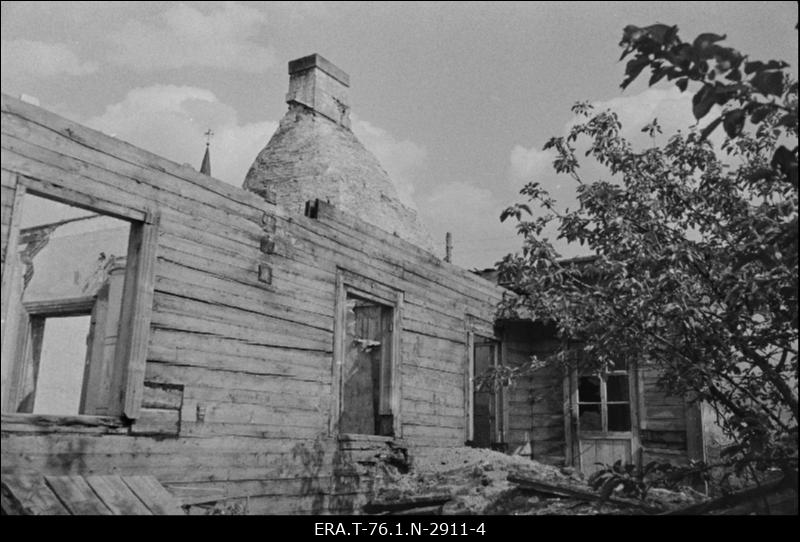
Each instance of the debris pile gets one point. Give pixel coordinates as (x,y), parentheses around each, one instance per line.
(475,481)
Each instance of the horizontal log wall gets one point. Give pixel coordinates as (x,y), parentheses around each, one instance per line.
(535,402)
(536,406)
(238,376)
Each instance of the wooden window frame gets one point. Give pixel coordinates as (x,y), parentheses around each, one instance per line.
(348,282)
(630,373)
(137,298)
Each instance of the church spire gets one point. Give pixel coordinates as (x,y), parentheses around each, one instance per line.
(205,167)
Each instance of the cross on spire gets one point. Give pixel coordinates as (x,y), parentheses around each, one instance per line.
(205,167)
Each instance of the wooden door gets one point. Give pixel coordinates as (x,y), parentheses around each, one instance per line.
(604,417)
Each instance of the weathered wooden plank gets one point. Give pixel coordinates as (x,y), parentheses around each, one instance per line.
(211,393)
(433,420)
(134,328)
(28,494)
(179,280)
(162,397)
(354,226)
(117,496)
(266,360)
(77,496)
(238,413)
(157,499)
(47,422)
(164,373)
(107,145)
(144,447)
(265,331)
(384,252)
(156,422)
(65,186)
(540,486)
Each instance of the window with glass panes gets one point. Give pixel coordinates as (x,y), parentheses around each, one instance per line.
(604,401)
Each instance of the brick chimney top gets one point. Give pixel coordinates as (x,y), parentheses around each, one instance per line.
(318,84)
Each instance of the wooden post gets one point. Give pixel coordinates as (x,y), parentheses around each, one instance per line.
(470,397)
(448,247)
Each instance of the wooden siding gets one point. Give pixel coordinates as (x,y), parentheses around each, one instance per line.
(238,373)
(537,407)
(535,404)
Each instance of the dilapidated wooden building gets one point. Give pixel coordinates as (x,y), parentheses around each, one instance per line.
(270,342)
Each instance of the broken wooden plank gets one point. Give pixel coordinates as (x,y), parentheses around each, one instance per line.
(77,496)
(748,495)
(117,496)
(197,494)
(29,495)
(415,502)
(528,483)
(153,495)
(421,511)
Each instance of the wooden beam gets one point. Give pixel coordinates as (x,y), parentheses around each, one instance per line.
(11,304)
(137,297)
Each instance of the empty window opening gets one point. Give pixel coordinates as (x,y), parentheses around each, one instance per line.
(487,416)
(67,275)
(367,368)
(59,351)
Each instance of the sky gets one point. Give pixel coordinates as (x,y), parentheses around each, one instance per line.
(455,99)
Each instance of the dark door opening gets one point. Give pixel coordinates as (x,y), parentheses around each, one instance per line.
(486,415)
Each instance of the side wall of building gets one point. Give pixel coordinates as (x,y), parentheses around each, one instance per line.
(238,383)
(669,426)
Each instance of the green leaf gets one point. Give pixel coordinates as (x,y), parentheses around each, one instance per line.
(734,122)
(633,68)
(768,82)
(750,67)
(786,162)
(702,101)
(704,40)
(789,120)
(658,75)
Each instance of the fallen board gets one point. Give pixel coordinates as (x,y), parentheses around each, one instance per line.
(526,482)
(90,495)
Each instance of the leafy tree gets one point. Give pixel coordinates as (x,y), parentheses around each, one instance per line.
(695,266)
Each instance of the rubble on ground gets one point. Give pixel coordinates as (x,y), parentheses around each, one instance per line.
(473,481)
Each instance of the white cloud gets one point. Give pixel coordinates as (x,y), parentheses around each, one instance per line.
(529,164)
(228,38)
(170,121)
(670,106)
(23,57)
(401,159)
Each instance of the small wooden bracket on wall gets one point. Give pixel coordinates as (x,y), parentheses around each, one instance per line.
(268,223)
(268,244)
(265,273)
(312,208)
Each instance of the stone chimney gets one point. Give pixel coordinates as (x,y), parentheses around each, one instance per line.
(319,85)
(314,155)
